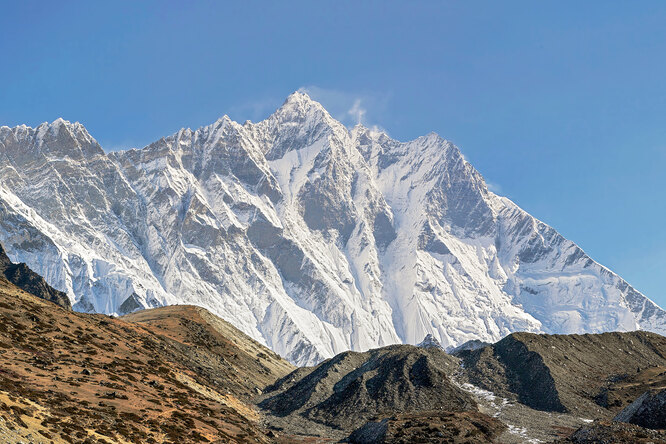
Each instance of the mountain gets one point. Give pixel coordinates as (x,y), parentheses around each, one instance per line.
(569,388)
(29,281)
(178,374)
(341,394)
(580,374)
(537,387)
(311,238)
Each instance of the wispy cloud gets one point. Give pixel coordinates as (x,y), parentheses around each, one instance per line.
(357,112)
(494,187)
(351,107)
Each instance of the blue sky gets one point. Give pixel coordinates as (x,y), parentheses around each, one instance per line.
(560,105)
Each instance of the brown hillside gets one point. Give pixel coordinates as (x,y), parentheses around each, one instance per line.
(594,375)
(220,351)
(71,377)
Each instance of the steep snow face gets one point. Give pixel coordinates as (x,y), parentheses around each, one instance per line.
(311,238)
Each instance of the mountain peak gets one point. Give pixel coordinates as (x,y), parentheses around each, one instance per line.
(300,104)
(59,124)
(299,96)
(65,138)
(429,342)
(221,123)
(60,121)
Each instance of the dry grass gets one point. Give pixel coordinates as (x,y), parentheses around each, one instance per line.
(71,377)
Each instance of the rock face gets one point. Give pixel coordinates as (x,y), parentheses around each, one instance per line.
(568,373)
(29,281)
(311,238)
(649,410)
(342,393)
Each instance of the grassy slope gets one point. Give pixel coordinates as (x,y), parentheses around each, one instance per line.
(71,377)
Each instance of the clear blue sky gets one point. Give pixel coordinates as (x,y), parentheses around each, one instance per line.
(560,105)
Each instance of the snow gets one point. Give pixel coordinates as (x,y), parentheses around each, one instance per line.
(522,432)
(274,227)
(494,402)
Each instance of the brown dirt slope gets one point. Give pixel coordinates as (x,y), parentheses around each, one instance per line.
(223,354)
(591,375)
(342,393)
(72,377)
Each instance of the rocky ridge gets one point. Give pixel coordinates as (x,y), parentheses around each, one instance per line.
(29,281)
(575,374)
(342,393)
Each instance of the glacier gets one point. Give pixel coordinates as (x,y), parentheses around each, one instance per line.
(311,237)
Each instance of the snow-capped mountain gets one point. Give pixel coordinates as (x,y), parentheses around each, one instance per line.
(309,237)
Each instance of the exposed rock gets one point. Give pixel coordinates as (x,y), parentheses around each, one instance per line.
(130,305)
(473,344)
(649,410)
(429,341)
(27,280)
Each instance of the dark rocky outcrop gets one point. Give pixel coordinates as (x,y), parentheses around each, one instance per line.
(29,281)
(344,392)
(130,305)
(649,410)
(429,342)
(510,366)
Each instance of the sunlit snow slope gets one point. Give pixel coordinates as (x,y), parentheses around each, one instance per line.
(309,237)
